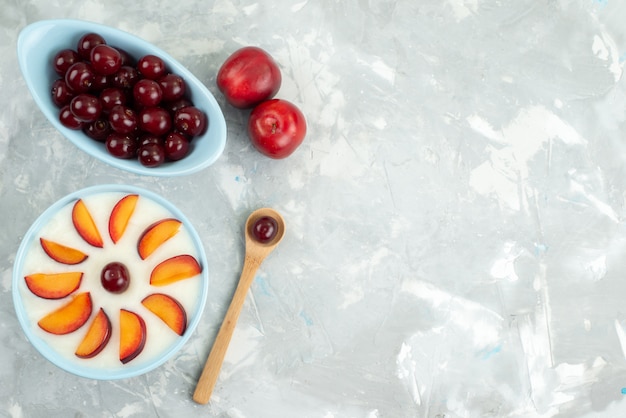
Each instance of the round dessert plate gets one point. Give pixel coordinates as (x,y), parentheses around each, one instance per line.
(58,223)
(40,41)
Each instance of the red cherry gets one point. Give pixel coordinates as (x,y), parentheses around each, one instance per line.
(115,277)
(191,121)
(264,229)
(176,146)
(105,60)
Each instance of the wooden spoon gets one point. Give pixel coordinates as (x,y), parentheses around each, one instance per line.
(255,254)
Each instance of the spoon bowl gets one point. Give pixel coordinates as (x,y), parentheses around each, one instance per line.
(40,41)
(256,252)
(259,249)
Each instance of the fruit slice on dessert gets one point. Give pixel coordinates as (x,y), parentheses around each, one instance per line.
(168,309)
(53,285)
(61,253)
(85,225)
(120,216)
(69,317)
(132,335)
(174,269)
(155,235)
(97,336)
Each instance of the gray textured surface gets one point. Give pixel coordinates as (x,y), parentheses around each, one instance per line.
(456,214)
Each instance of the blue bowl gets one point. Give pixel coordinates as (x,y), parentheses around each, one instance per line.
(40,41)
(85,368)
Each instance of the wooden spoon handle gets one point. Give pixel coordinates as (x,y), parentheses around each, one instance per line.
(211,370)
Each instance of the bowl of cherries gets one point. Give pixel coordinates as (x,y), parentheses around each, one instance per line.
(121,99)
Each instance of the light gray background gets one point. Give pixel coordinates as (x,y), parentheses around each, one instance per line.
(456,242)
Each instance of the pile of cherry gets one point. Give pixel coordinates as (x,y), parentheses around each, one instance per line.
(137,108)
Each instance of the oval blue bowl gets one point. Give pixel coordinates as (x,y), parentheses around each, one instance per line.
(40,41)
(135,367)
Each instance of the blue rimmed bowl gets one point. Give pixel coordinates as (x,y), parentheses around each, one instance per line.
(59,349)
(40,41)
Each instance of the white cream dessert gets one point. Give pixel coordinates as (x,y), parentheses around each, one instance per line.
(105,315)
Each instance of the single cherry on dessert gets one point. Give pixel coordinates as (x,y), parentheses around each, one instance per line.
(115,277)
(264,229)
